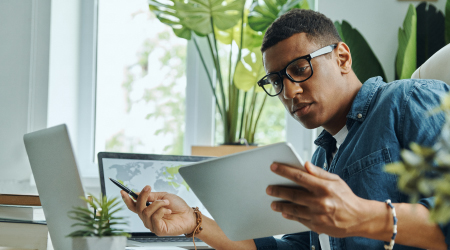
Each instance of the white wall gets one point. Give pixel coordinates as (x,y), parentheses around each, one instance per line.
(24,56)
(377,20)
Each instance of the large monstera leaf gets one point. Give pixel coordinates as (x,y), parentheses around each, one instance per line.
(249,70)
(252,39)
(265,12)
(166,12)
(365,63)
(405,63)
(196,15)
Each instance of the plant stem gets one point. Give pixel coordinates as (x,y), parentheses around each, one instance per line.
(232,96)
(219,75)
(251,114)
(213,89)
(252,132)
(242,115)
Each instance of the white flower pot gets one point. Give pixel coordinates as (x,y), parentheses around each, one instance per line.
(97,243)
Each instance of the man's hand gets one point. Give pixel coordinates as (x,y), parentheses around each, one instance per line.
(167,215)
(325,205)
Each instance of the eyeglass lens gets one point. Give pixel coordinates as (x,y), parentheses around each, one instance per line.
(298,70)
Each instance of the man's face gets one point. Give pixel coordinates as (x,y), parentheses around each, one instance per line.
(317,101)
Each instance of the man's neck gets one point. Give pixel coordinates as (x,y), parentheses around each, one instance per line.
(340,119)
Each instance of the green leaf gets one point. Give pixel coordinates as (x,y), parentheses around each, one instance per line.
(395,168)
(365,64)
(249,70)
(447,22)
(101,225)
(264,13)
(167,14)
(407,43)
(430,31)
(195,15)
(252,39)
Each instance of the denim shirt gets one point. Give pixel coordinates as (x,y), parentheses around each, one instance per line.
(384,119)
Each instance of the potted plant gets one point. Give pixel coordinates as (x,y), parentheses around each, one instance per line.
(98,225)
(235,27)
(425,171)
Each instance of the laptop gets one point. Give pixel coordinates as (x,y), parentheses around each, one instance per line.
(57,180)
(161,173)
(59,186)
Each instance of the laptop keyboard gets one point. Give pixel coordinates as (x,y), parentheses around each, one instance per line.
(163,239)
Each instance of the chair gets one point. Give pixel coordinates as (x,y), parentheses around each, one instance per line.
(436,67)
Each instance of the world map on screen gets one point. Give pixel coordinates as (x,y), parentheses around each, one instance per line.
(161,176)
(164,176)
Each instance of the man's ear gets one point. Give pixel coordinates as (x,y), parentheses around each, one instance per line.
(344,58)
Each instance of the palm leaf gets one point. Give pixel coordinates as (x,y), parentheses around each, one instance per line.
(447,22)
(365,63)
(430,31)
(405,64)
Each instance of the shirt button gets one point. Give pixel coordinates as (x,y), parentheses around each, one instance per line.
(325,165)
(313,247)
(359,116)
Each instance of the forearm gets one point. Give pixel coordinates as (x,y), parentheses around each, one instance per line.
(413,228)
(216,238)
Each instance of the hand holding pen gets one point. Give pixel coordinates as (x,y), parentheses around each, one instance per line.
(131,193)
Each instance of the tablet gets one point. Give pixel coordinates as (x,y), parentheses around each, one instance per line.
(233,190)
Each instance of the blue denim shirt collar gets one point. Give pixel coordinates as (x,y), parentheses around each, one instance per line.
(358,111)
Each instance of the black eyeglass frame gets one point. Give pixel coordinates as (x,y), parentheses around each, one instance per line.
(281,73)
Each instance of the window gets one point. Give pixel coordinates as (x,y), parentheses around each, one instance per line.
(141,81)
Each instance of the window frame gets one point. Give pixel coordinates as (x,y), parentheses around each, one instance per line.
(200,108)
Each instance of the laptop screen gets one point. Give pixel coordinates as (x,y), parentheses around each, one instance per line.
(137,170)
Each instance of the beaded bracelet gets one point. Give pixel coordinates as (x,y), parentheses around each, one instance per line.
(390,245)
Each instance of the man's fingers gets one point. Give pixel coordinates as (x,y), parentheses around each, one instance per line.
(305,222)
(154,196)
(296,175)
(128,201)
(152,208)
(159,226)
(318,172)
(142,199)
(295,195)
(149,211)
(291,209)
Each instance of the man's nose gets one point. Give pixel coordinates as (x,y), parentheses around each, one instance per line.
(291,89)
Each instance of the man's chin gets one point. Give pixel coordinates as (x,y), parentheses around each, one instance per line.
(307,123)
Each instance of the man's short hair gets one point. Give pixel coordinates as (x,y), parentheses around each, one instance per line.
(319,29)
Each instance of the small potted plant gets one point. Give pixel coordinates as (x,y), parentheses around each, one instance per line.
(98,225)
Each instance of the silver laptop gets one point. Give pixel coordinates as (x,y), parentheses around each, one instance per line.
(161,173)
(57,180)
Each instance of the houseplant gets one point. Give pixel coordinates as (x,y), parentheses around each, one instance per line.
(425,30)
(237,27)
(425,171)
(98,225)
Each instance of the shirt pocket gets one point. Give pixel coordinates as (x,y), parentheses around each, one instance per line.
(367,178)
(380,157)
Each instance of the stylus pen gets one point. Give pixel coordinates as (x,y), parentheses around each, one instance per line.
(133,194)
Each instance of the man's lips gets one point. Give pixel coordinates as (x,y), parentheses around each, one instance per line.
(301,109)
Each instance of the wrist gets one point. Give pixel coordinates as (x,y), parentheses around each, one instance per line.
(192,221)
(198,220)
(377,221)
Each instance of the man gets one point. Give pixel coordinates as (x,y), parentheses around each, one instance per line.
(365,127)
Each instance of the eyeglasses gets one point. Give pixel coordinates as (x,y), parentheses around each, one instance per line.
(298,70)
